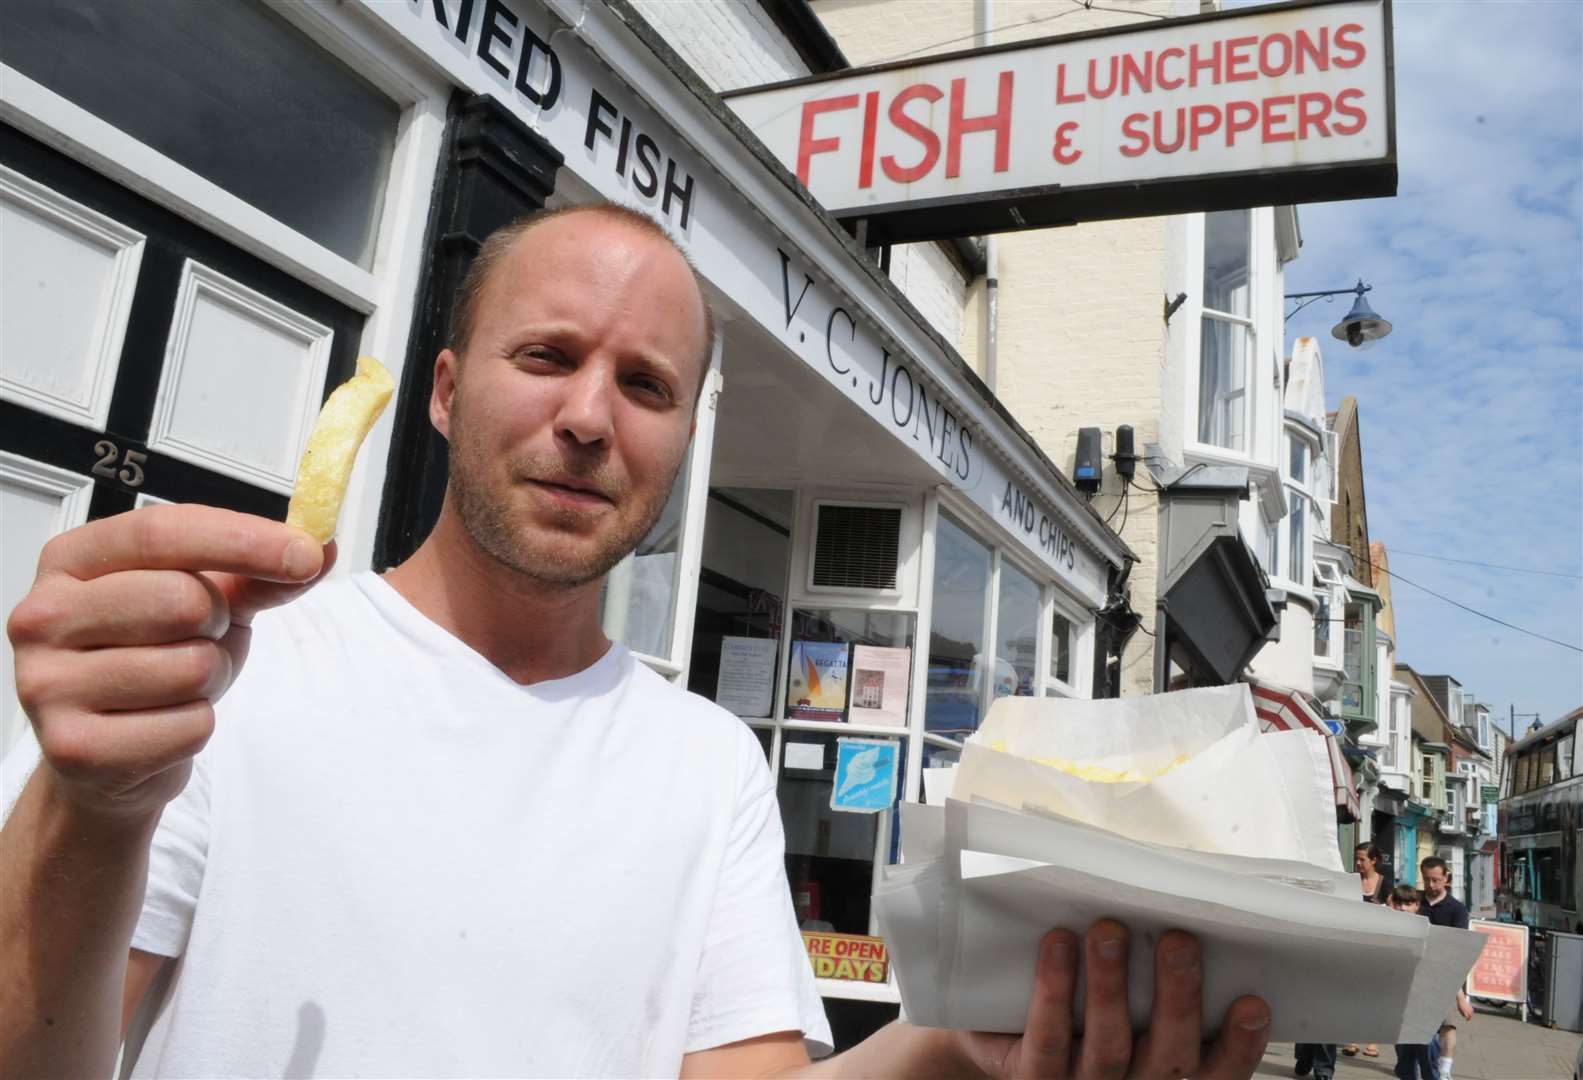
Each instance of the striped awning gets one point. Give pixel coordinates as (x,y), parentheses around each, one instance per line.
(1281,708)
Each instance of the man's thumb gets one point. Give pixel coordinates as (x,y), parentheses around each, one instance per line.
(248,596)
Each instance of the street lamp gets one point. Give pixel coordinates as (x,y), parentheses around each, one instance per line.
(1361,325)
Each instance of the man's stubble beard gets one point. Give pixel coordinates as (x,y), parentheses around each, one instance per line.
(486,514)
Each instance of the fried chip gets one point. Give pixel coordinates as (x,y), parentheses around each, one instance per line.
(332,448)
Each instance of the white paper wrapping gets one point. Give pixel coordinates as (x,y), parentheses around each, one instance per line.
(1247,862)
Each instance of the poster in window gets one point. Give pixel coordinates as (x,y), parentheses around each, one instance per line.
(747,676)
(879,685)
(816,684)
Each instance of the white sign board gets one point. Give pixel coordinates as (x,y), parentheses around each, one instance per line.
(1286,103)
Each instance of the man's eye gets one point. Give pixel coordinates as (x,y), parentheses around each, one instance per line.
(653,388)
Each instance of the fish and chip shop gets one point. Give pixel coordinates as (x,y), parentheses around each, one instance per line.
(210,210)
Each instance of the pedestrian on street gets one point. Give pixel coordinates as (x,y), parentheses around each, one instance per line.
(1376,888)
(1414,1061)
(1444,909)
(440,825)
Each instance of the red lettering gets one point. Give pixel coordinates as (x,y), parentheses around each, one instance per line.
(1354,49)
(1271,70)
(931,142)
(1181,133)
(1359,119)
(1128,132)
(1234,126)
(1272,117)
(1136,72)
(1196,63)
(1173,53)
(1206,121)
(1239,56)
(999,122)
(1317,51)
(865,169)
(807,145)
(1311,111)
(1093,87)
(1061,96)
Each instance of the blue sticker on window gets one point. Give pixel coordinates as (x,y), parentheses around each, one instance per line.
(865,775)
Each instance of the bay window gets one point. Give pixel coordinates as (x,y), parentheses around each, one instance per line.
(1226,346)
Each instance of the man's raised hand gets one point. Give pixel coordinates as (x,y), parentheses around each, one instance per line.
(134,628)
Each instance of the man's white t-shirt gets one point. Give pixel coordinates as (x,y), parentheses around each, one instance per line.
(391,860)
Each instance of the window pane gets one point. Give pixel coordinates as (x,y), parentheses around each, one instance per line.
(746,551)
(1061,648)
(638,601)
(1322,626)
(230,91)
(1298,537)
(1227,239)
(1222,384)
(829,853)
(822,683)
(1016,633)
(1299,458)
(956,640)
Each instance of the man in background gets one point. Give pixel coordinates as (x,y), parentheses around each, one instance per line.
(1444,909)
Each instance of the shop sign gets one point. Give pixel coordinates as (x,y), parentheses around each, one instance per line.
(853,957)
(615,143)
(1281,104)
(1501,973)
(865,775)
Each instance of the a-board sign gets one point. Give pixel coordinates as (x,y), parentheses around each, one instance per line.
(1501,973)
(847,956)
(1286,103)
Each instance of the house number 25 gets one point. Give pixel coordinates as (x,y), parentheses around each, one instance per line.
(131,471)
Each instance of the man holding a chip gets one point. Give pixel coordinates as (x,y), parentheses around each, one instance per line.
(439,824)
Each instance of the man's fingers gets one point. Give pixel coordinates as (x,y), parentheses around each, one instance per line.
(1107,1027)
(133,746)
(1170,1050)
(1240,1047)
(1046,1047)
(135,607)
(131,679)
(188,537)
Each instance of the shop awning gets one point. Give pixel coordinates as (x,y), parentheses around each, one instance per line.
(1282,709)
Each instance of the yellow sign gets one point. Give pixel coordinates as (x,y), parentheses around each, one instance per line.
(847,956)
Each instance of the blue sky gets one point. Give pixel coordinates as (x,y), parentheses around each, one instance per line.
(1472,409)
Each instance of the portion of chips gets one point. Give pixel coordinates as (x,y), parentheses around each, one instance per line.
(332,448)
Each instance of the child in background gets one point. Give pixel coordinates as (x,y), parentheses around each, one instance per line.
(1414,1061)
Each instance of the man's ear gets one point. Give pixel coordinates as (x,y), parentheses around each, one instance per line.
(445,372)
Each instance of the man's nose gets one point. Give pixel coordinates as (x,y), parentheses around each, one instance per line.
(587,408)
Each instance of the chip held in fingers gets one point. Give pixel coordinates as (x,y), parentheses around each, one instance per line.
(332,448)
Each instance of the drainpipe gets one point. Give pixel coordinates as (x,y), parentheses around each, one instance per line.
(986,27)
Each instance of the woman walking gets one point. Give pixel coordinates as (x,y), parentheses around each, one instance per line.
(1376,890)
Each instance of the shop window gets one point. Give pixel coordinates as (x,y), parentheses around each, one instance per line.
(737,620)
(1226,347)
(830,854)
(1016,633)
(959,632)
(851,665)
(638,600)
(228,90)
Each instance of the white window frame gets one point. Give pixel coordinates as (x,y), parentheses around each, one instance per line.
(1081,648)
(1262,388)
